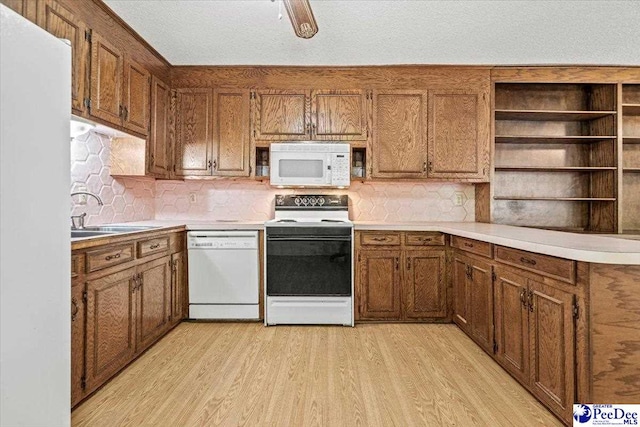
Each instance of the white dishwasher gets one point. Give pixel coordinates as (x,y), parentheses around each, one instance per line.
(223,274)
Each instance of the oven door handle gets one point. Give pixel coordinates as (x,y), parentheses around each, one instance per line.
(310,239)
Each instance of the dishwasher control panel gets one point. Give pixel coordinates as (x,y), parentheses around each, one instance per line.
(218,240)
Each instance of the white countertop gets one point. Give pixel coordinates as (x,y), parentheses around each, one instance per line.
(579,247)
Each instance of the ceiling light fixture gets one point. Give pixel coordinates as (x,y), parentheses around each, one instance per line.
(301,16)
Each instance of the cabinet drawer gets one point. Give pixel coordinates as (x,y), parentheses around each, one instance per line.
(558,268)
(99,259)
(424,239)
(153,246)
(380,239)
(473,246)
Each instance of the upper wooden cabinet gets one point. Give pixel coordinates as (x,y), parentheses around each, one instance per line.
(158,156)
(119,87)
(26,8)
(399,147)
(282,115)
(212,132)
(60,22)
(192,152)
(339,115)
(322,115)
(231,139)
(458,135)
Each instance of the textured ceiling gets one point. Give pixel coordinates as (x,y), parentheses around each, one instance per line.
(352,32)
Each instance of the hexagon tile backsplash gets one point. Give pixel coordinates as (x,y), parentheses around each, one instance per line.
(381,201)
(135,199)
(125,199)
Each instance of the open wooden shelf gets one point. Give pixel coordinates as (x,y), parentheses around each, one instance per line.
(554,168)
(541,139)
(631,139)
(556,199)
(631,169)
(631,109)
(550,115)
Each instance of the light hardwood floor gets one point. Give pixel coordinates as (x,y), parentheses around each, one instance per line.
(229,374)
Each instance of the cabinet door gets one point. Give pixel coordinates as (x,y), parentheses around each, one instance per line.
(512,324)
(154,294)
(26,8)
(231,139)
(399,147)
(458,135)
(339,115)
(158,146)
(380,291)
(178,288)
(481,304)
(460,292)
(136,97)
(60,22)
(282,115)
(77,342)
(425,291)
(552,347)
(192,151)
(110,342)
(107,69)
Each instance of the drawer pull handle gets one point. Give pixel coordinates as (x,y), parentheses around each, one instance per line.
(155,246)
(110,257)
(426,240)
(523,298)
(469,245)
(379,239)
(527,261)
(531,301)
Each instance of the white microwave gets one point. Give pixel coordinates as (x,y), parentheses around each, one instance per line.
(310,164)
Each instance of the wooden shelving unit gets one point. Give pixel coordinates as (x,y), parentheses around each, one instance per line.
(556,156)
(629,205)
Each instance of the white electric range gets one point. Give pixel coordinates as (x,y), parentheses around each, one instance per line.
(309,261)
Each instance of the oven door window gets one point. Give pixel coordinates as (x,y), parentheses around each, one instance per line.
(309,266)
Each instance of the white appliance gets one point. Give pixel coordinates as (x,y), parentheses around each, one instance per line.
(223,274)
(35,267)
(310,164)
(309,261)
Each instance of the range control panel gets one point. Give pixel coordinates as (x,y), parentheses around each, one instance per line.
(312,202)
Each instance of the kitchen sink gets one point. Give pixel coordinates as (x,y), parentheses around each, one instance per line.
(105,230)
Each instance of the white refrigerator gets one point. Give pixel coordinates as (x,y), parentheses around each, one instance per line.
(35,320)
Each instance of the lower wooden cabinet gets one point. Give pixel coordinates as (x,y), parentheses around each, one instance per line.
(396,284)
(77,341)
(535,338)
(153,293)
(179,300)
(473,294)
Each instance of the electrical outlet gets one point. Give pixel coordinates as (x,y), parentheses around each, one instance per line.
(82,198)
(458,199)
(193,198)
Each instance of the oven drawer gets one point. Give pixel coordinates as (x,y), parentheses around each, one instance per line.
(558,268)
(423,239)
(379,239)
(474,246)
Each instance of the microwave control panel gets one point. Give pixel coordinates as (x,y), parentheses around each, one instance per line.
(340,169)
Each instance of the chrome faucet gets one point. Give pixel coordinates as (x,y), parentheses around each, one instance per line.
(77,221)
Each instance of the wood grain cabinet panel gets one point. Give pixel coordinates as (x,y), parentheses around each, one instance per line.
(26,8)
(154,305)
(339,115)
(110,342)
(136,97)
(107,70)
(179,300)
(380,290)
(512,324)
(552,347)
(231,133)
(60,22)
(460,292)
(379,239)
(158,158)
(282,115)
(458,136)
(424,284)
(558,268)
(77,342)
(193,146)
(399,147)
(481,303)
